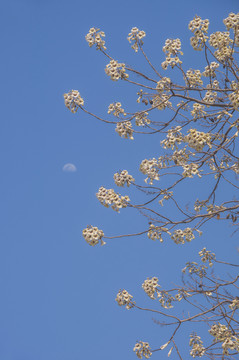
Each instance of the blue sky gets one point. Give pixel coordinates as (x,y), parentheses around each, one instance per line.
(58,293)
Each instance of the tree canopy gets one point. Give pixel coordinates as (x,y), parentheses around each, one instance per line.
(198,134)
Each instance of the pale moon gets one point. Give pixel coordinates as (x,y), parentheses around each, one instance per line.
(69,168)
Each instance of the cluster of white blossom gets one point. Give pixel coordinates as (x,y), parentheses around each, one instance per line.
(198,350)
(124,129)
(108,197)
(232,344)
(155,233)
(123,177)
(172,47)
(197,139)
(150,287)
(221,41)
(180,157)
(220,332)
(73,100)
(190,170)
(234,98)
(150,168)
(116,109)
(95,36)
(214,85)
(207,255)
(163,84)
(194,268)
(179,236)
(194,77)
(198,205)
(210,97)
(232,21)
(209,70)
(136,36)
(142,349)
(199,28)
(116,70)
(174,137)
(234,304)
(165,299)
(211,209)
(198,111)
(141,119)
(93,235)
(161,101)
(235,167)
(166,196)
(124,298)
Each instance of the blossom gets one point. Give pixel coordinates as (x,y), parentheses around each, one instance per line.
(93,235)
(136,36)
(73,100)
(95,36)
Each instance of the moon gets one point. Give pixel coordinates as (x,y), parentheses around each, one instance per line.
(69,168)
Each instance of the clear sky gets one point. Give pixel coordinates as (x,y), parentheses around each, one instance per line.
(57,292)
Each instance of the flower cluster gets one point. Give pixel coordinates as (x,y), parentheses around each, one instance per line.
(123,177)
(155,233)
(124,298)
(194,77)
(166,196)
(165,299)
(209,70)
(197,139)
(95,36)
(198,205)
(150,168)
(108,197)
(136,36)
(73,100)
(93,235)
(230,344)
(207,255)
(150,287)
(163,84)
(221,41)
(180,157)
(161,101)
(194,268)
(124,129)
(141,119)
(142,349)
(174,137)
(198,111)
(116,70)
(197,346)
(190,170)
(179,236)
(234,304)
(214,85)
(235,167)
(172,47)
(220,332)
(199,28)
(116,109)
(234,98)
(211,209)
(210,97)
(232,21)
